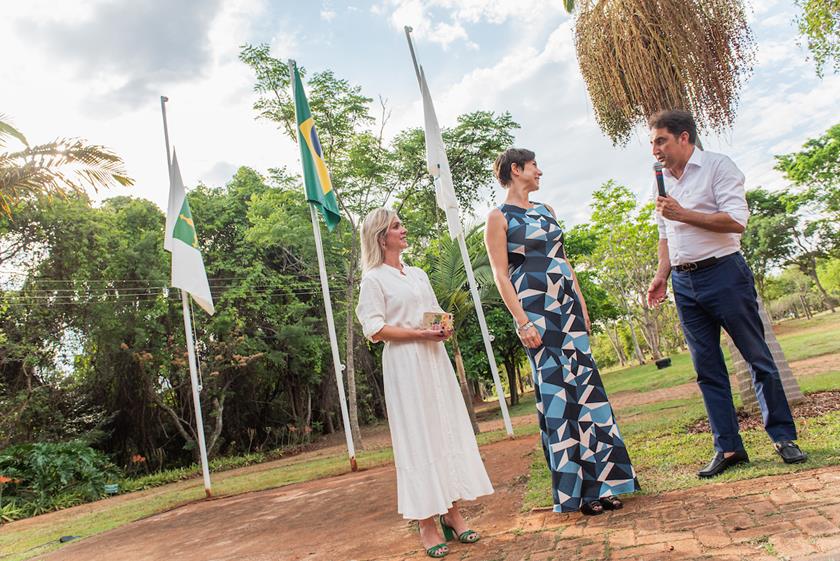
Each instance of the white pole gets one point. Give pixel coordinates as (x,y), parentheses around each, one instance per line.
(325,288)
(199,420)
(485,333)
(339,379)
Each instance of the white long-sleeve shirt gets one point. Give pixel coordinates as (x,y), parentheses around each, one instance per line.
(710,183)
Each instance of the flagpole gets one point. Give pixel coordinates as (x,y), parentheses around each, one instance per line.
(199,419)
(325,288)
(485,334)
(465,256)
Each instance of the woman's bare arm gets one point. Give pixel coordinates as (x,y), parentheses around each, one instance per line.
(495,239)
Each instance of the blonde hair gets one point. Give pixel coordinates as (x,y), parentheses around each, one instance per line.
(374,227)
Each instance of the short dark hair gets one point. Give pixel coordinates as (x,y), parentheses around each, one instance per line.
(676,121)
(518,156)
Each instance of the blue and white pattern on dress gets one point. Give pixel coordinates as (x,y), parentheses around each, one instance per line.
(583,447)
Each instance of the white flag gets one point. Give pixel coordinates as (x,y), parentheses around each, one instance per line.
(187,264)
(438,163)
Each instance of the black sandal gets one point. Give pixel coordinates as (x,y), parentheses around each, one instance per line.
(592,508)
(611,503)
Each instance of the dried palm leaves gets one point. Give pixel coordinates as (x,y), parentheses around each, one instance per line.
(640,56)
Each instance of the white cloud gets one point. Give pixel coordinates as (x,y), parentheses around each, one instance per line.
(444,21)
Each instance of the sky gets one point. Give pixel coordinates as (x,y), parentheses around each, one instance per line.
(96,69)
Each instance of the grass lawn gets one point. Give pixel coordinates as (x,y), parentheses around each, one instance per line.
(805,339)
(666,457)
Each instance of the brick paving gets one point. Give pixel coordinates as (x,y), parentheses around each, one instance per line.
(788,517)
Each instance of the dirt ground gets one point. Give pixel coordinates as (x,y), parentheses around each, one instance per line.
(348,517)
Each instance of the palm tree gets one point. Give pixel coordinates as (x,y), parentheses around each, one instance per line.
(449,280)
(640,56)
(61,167)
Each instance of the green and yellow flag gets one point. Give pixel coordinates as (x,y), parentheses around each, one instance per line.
(180,238)
(319,189)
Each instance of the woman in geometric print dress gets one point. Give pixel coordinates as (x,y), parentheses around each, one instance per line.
(583,448)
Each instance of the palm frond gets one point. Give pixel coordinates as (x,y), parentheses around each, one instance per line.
(58,168)
(6,130)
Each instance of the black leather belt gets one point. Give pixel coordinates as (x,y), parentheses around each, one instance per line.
(697,265)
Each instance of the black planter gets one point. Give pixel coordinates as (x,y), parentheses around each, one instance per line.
(663,363)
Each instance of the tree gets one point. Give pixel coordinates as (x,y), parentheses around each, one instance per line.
(819,25)
(66,165)
(815,171)
(700,68)
(768,242)
(625,258)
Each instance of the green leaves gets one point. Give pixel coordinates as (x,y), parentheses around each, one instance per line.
(815,170)
(59,168)
(55,475)
(819,25)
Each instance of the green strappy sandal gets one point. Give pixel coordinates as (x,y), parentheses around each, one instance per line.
(435,551)
(469,536)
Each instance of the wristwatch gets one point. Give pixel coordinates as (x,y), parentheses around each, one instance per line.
(525,326)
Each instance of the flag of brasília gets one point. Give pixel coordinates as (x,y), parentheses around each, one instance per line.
(319,190)
(181,239)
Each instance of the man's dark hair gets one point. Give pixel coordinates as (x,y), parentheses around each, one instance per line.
(676,122)
(518,156)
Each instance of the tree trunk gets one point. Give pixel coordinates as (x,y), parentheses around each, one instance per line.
(742,372)
(465,388)
(805,307)
(650,333)
(350,371)
(478,398)
(636,348)
(812,272)
(612,336)
(519,378)
(511,372)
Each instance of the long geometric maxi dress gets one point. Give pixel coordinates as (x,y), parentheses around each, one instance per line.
(583,447)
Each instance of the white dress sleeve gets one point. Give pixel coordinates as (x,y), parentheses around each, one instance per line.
(371,307)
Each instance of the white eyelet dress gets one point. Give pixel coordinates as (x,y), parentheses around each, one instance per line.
(435,451)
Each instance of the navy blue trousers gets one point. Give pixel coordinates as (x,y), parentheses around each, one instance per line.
(723,295)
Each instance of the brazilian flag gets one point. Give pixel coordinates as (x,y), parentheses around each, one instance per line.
(319,189)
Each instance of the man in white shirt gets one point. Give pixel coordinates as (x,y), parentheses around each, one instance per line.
(700,225)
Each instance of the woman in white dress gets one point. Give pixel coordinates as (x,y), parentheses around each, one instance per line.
(435,451)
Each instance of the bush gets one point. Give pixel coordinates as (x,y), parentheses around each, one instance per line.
(50,476)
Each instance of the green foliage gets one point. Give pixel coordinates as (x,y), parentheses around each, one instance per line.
(64,166)
(769,240)
(815,170)
(819,25)
(52,476)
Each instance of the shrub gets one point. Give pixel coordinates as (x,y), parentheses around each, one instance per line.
(51,476)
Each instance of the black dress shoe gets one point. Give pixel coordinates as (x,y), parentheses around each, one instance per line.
(790,452)
(721,463)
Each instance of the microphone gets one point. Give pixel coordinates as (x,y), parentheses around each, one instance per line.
(660,181)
